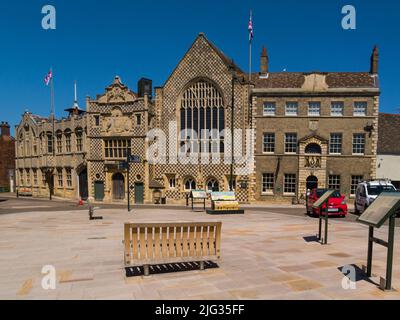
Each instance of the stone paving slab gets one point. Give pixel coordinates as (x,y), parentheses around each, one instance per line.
(264,256)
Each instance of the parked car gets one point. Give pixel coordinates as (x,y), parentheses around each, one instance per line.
(336,205)
(367,192)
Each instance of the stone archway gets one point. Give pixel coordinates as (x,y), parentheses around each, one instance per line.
(312,182)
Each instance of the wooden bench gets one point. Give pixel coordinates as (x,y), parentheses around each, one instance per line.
(149,244)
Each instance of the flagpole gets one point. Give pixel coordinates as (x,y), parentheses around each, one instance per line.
(51,185)
(52,108)
(250,67)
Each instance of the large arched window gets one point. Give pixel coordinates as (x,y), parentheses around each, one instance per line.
(202,110)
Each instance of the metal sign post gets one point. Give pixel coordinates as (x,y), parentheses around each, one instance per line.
(323,200)
(384,208)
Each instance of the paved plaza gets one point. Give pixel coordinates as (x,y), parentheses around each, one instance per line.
(265,255)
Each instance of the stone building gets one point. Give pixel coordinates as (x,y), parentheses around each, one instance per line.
(118,121)
(51,159)
(7,158)
(316,129)
(388,161)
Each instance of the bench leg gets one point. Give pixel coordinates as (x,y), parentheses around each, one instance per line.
(202,265)
(146,270)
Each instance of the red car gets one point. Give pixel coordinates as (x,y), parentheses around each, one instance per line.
(336,206)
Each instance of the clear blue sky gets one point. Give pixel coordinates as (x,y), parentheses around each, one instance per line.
(96,40)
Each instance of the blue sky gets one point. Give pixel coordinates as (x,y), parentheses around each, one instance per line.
(96,40)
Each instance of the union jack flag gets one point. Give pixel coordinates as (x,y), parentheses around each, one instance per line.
(48,77)
(251,34)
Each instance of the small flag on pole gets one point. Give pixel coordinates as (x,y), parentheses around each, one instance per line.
(48,77)
(251,34)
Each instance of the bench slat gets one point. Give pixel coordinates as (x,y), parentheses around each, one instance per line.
(135,245)
(157,242)
(178,242)
(164,242)
(199,241)
(171,242)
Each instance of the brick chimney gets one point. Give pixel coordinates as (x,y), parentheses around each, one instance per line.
(264,62)
(374,61)
(5,129)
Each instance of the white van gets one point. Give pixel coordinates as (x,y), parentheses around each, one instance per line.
(368,191)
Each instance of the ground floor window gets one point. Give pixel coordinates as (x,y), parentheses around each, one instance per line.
(355,181)
(21,177)
(190,184)
(60,178)
(35,177)
(289,186)
(268,182)
(212,185)
(334,182)
(28,177)
(43,178)
(69,177)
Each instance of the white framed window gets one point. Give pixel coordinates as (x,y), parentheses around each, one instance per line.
(335,143)
(358,143)
(289,185)
(291,108)
(314,109)
(290,142)
(360,108)
(269,142)
(269,109)
(355,181)
(334,182)
(337,109)
(172,182)
(268,183)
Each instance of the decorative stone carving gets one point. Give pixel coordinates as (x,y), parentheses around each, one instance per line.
(313,162)
(117,124)
(313,125)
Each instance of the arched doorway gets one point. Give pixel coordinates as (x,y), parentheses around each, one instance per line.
(312,182)
(83,185)
(118,186)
